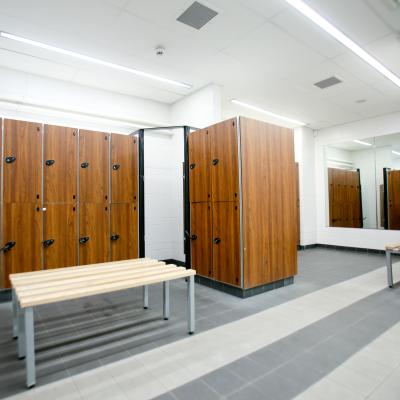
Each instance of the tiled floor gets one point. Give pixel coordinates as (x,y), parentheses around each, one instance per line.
(285,353)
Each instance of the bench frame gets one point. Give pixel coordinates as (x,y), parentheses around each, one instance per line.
(23,323)
(390,250)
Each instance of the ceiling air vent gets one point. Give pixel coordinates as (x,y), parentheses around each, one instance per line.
(328,82)
(197,15)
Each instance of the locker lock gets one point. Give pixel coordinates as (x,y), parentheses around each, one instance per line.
(115,167)
(193,237)
(10,159)
(8,246)
(191,166)
(49,162)
(84,239)
(85,164)
(48,242)
(217,240)
(114,237)
(215,161)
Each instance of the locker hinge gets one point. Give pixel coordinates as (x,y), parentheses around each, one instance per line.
(48,242)
(8,246)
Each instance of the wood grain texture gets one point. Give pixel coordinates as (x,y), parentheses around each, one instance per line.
(22,223)
(60,178)
(394,199)
(224,150)
(226,253)
(94,223)
(298,202)
(124,180)
(201,242)
(199,166)
(269,202)
(61,225)
(124,223)
(22,178)
(93,149)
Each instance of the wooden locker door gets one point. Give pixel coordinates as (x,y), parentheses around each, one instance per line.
(60,236)
(22,162)
(354,199)
(22,224)
(94,242)
(93,166)
(124,231)
(226,242)
(394,199)
(124,168)
(337,198)
(224,161)
(201,238)
(199,166)
(60,164)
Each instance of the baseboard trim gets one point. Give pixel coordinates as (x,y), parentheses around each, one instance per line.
(345,248)
(5,295)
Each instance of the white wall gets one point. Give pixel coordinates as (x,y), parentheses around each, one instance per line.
(365,238)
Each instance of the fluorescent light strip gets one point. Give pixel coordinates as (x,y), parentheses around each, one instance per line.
(363,143)
(271,114)
(342,38)
(93,60)
(396,152)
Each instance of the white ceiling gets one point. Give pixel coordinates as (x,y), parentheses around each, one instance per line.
(260,51)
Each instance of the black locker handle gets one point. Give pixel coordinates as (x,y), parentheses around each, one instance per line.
(10,159)
(217,240)
(48,242)
(191,166)
(215,161)
(114,237)
(193,237)
(116,166)
(8,246)
(85,164)
(84,239)
(49,162)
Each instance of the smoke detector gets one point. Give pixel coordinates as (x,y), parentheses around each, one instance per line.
(160,51)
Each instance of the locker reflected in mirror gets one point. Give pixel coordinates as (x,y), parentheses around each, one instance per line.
(363,183)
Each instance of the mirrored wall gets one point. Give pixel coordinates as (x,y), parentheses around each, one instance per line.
(363,183)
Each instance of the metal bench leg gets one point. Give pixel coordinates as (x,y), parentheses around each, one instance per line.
(21,332)
(389,268)
(29,348)
(166,300)
(145,297)
(190,294)
(15,313)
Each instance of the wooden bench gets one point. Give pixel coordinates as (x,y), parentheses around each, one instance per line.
(32,289)
(390,250)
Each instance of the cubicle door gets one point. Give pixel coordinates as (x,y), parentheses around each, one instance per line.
(354,207)
(199,166)
(60,164)
(226,242)
(201,238)
(22,162)
(60,236)
(124,168)
(93,166)
(124,231)
(337,198)
(394,199)
(22,233)
(224,161)
(94,243)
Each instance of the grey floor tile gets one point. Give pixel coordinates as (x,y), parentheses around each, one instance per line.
(268,359)
(248,393)
(195,390)
(247,369)
(165,396)
(223,381)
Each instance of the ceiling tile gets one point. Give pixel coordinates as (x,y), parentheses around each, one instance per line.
(388,11)
(387,51)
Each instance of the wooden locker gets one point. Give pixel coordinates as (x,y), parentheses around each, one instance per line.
(22,225)
(93,166)
(337,198)
(199,166)
(60,234)
(94,241)
(354,199)
(224,161)
(60,164)
(201,238)
(394,199)
(124,168)
(124,231)
(226,242)
(22,161)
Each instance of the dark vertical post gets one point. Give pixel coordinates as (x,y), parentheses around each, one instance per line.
(386,197)
(360,198)
(141,194)
(186,200)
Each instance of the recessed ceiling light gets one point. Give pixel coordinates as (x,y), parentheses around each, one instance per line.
(363,143)
(396,152)
(271,114)
(342,38)
(93,60)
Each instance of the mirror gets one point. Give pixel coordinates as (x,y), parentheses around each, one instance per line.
(363,183)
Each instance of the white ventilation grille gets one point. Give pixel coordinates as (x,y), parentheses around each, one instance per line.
(325,83)
(197,15)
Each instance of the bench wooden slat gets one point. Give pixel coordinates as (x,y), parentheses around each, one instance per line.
(72,284)
(35,300)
